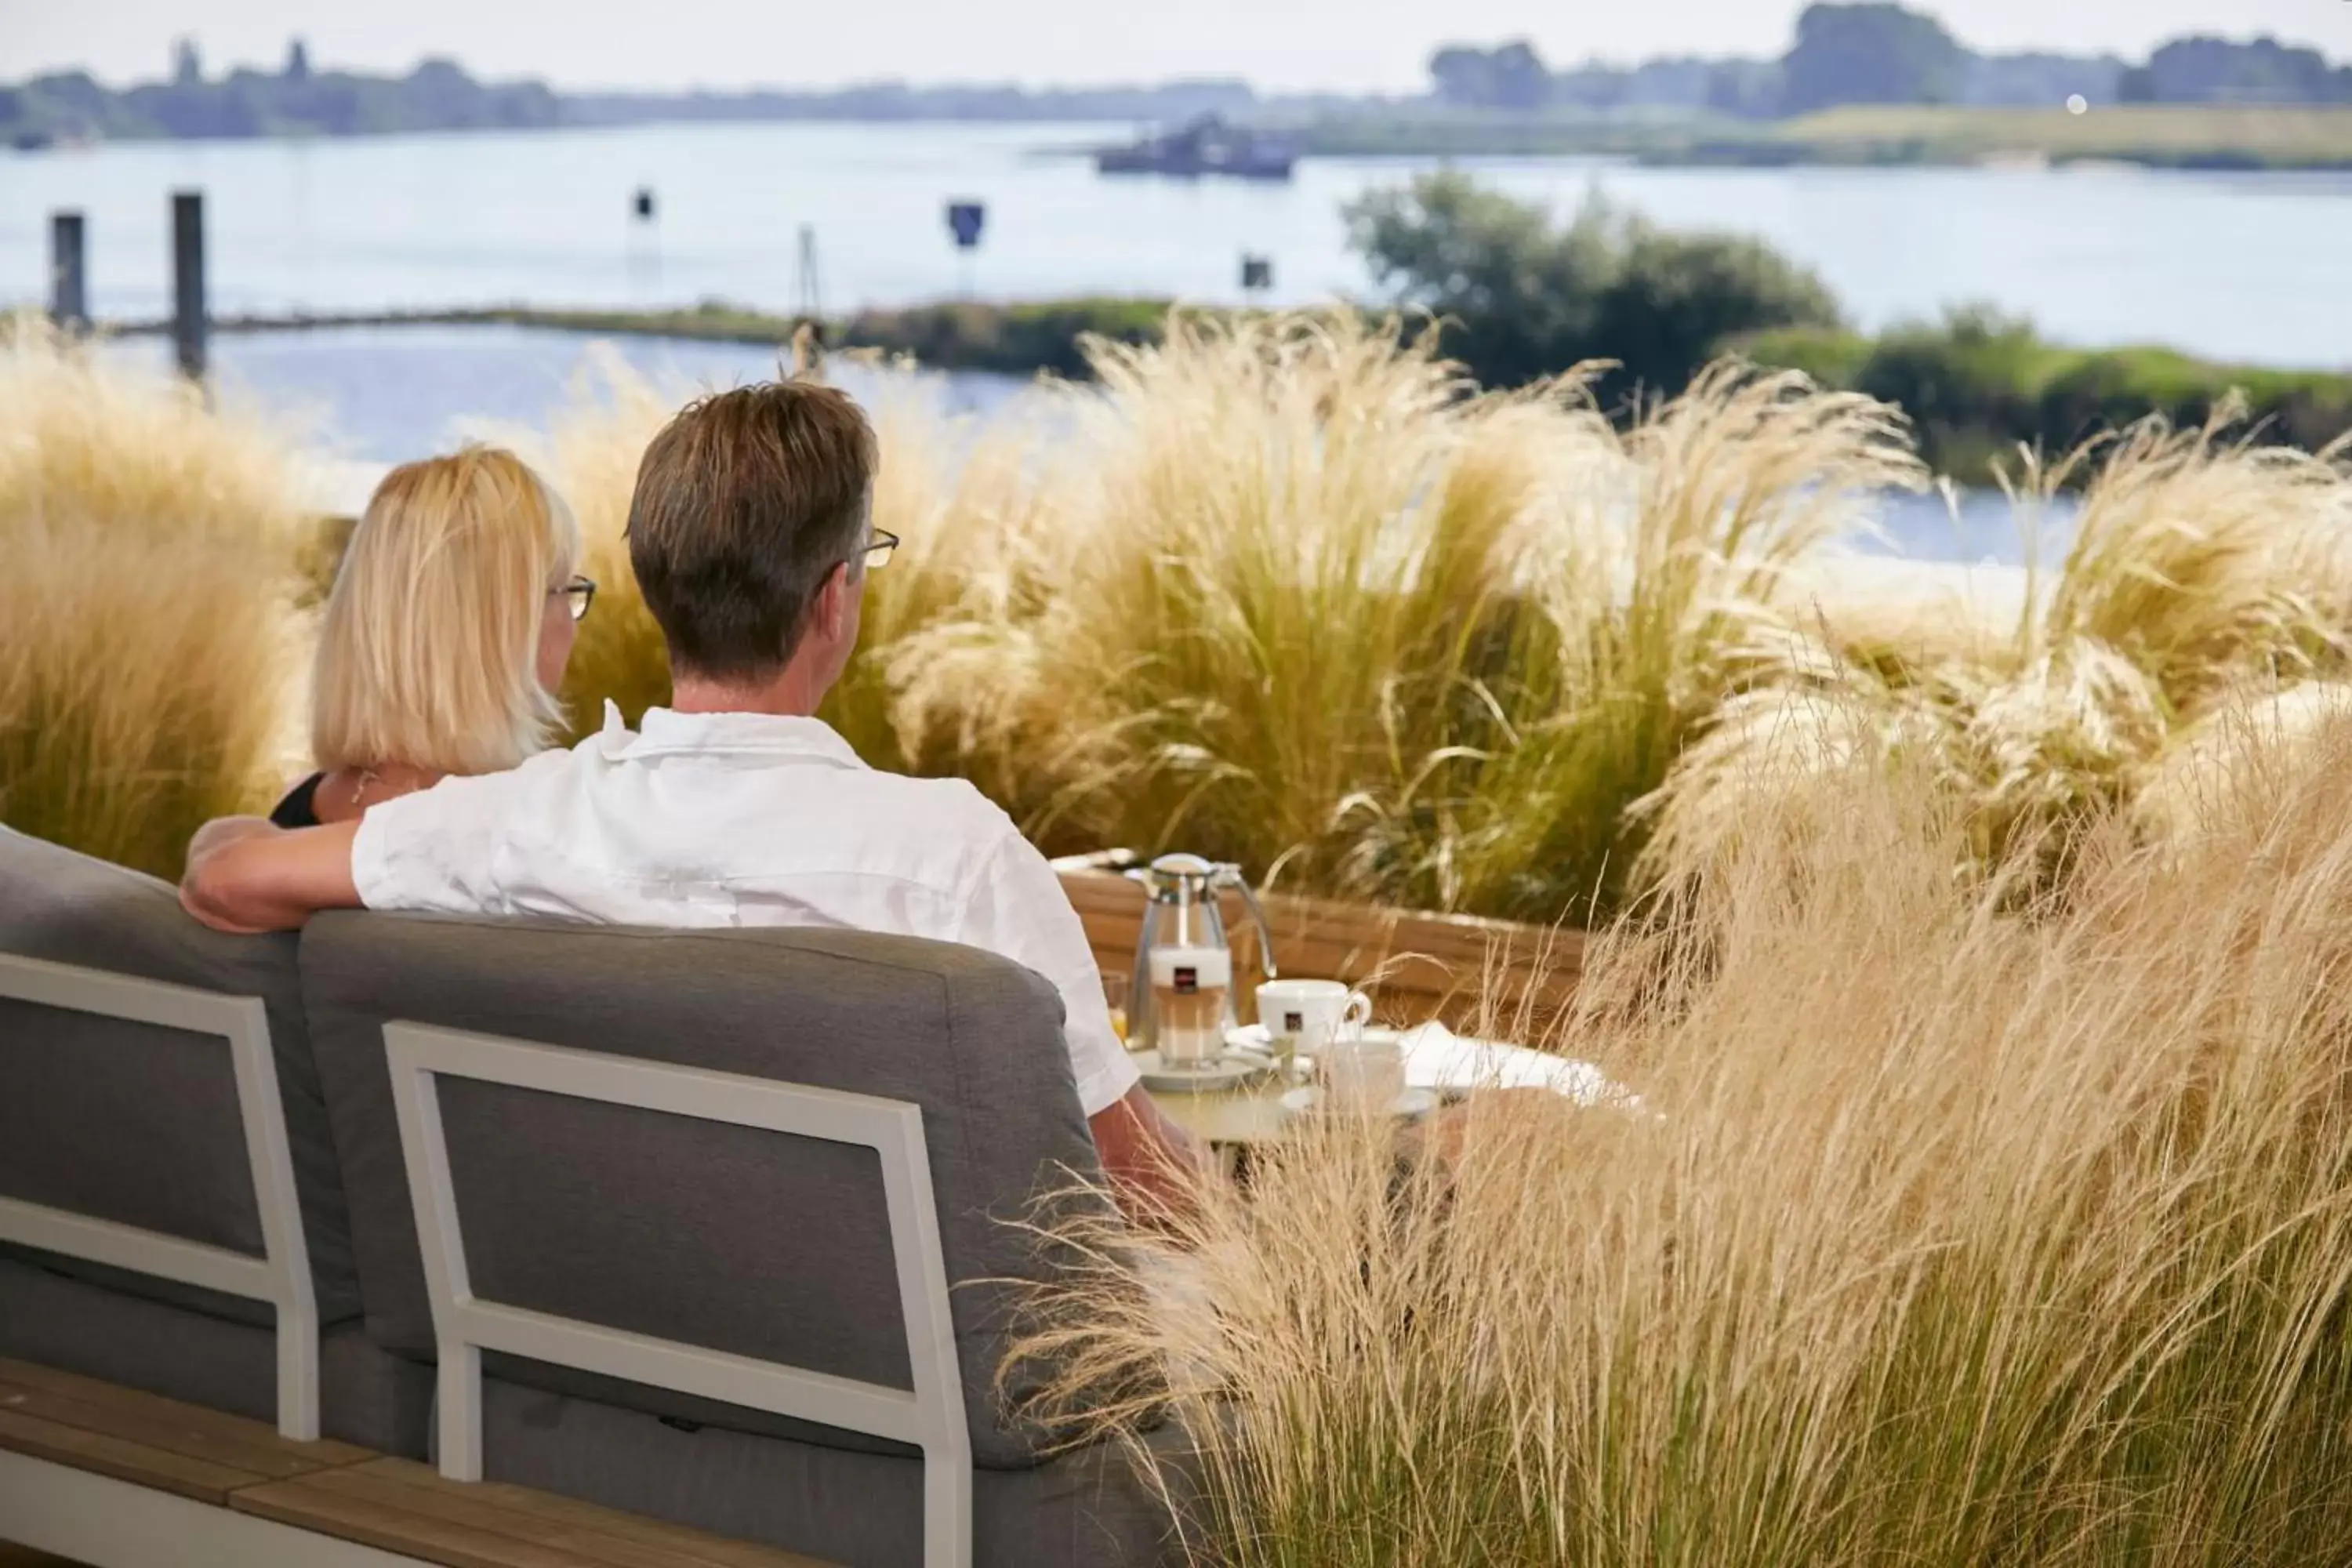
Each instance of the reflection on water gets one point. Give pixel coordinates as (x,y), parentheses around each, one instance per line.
(391,393)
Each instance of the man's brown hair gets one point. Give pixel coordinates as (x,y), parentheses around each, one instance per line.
(745,503)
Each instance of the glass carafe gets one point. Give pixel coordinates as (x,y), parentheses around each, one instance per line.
(1183,926)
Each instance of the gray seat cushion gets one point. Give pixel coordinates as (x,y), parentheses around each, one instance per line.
(738,1240)
(53,1318)
(140,1124)
(1088,1508)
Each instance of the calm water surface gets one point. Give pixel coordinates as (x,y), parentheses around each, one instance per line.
(2239,267)
(2244,267)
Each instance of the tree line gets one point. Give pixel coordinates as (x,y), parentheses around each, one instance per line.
(438,94)
(1886,53)
(1868,53)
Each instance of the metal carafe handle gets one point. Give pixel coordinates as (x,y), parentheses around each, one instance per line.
(1230,876)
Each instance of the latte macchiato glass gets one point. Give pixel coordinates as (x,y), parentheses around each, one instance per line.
(1188,989)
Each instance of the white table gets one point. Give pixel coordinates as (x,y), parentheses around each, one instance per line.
(1435,1057)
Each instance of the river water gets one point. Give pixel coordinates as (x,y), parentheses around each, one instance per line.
(2241,267)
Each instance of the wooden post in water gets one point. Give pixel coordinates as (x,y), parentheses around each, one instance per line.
(188,318)
(69,292)
(644,243)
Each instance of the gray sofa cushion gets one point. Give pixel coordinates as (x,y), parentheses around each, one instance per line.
(365,1395)
(1083,1510)
(140,1124)
(749,1242)
(79,1092)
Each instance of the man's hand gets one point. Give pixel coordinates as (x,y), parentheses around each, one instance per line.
(246,876)
(1155,1167)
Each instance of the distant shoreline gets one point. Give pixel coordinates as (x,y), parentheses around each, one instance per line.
(731,328)
(1019,337)
(2204,138)
(1999,386)
(2208,138)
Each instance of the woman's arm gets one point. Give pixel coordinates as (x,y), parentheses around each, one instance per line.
(244,875)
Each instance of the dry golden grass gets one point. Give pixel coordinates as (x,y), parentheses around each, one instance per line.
(590,454)
(1263,562)
(1943,1235)
(2205,561)
(2205,574)
(2244,745)
(149,641)
(1965,1219)
(1283,592)
(968,505)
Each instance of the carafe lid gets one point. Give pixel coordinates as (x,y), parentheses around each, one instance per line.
(1181,878)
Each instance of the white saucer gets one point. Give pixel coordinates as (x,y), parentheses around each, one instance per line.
(1410,1106)
(1238,1066)
(1256,1037)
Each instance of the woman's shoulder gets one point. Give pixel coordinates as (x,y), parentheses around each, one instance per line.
(299,808)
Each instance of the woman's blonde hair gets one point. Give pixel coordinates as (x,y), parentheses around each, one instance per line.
(428,649)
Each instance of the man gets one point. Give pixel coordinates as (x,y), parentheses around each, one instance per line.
(750,534)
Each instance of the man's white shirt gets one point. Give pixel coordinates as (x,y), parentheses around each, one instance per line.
(742,819)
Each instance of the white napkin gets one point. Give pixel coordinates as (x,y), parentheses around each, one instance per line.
(1436,1058)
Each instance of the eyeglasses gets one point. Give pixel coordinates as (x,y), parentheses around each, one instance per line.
(579,593)
(877,554)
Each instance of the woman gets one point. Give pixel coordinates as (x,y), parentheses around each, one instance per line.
(445,637)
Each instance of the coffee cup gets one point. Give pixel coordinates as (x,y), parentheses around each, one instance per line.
(1365,1076)
(1308,1015)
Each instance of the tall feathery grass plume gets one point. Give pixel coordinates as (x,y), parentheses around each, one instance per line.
(1285,590)
(150,649)
(590,452)
(972,500)
(2206,559)
(1308,601)
(2207,575)
(1660,595)
(1940,1235)
(1275,544)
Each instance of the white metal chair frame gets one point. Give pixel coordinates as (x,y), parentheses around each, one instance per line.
(930,1416)
(281,1276)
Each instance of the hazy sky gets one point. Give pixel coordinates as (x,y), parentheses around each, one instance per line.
(1344,44)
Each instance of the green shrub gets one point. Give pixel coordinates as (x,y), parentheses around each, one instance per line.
(1018,339)
(1522,298)
(1978,386)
